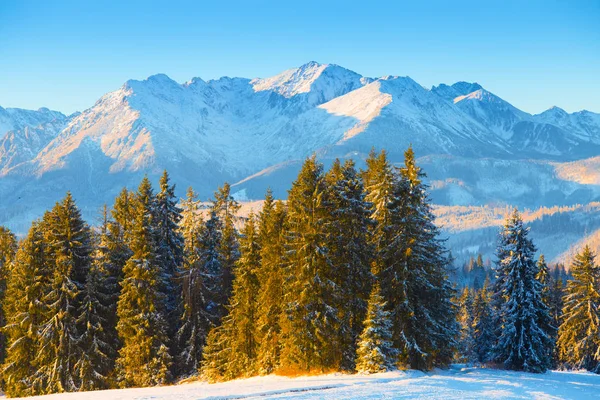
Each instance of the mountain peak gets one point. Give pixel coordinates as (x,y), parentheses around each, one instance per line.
(329,80)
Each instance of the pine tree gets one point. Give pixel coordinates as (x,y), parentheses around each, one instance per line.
(310,322)
(235,354)
(579,334)
(226,207)
(270,276)
(466,317)
(376,352)
(202,279)
(350,252)
(28,278)
(144,358)
(483,333)
(169,248)
(411,264)
(69,242)
(8,249)
(194,327)
(524,343)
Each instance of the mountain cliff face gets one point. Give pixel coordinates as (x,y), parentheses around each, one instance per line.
(477,148)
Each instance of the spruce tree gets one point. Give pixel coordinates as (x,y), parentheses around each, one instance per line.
(194,326)
(310,321)
(226,207)
(524,343)
(169,244)
(235,343)
(350,252)
(411,264)
(579,334)
(466,317)
(483,333)
(69,242)
(144,358)
(270,275)
(8,248)
(27,281)
(376,352)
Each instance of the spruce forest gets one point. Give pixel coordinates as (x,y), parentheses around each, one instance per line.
(349,274)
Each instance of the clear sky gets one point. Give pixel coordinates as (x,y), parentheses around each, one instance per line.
(65,54)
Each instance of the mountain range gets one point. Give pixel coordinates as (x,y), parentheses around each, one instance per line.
(477,149)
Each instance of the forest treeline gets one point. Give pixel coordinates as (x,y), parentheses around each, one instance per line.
(349,274)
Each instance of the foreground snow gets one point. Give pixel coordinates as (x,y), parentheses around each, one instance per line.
(456,383)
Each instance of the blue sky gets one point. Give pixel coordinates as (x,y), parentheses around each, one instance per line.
(65,54)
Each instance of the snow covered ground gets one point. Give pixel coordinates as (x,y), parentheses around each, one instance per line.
(456,383)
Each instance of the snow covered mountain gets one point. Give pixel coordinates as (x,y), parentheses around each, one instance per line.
(477,148)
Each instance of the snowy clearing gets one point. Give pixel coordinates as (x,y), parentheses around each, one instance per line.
(456,383)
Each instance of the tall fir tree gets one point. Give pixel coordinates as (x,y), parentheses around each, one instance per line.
(579,334)
(170,249)
(8,249)
(524,343)
(271,236)
(350,252)
(226,207)
(69,242)
(99,340)
(310,321)
(194,323)
(144,358)
(376,352)
(483,333)
(28,278)
(235,345)
(466,317)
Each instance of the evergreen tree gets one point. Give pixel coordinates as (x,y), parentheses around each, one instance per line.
(483,333)
(350,252)
(235,345)
(169,248)
(412,268)
(310,322)
(193,329)
(69,242)
(202,279)
(28,278)
(524,342)
(270,276)
(8,248)
(466,317)
(579,334)
(225,207)
(376,352)
(144,358)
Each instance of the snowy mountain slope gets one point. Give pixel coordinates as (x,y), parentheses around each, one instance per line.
(454,383)
(257,132)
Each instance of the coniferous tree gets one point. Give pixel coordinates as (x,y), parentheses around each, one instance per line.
(310,322)
(483,332)
(226,207)
(27,281)
(144,358)
(169,244)
(350,253)
(99,340)
(466,317)
(69,242)
(270,276)
(524,342)
(8,249)
(376,352)
(579,334)
(235,343)
(194,324)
